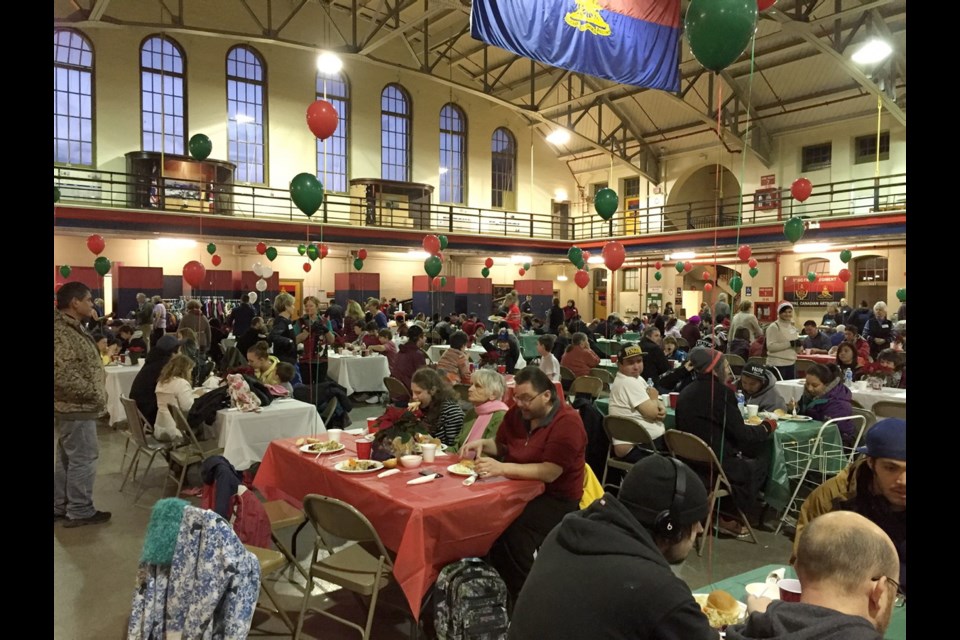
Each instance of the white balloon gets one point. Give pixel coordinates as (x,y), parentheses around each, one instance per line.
(252,296)
(266,272)
(258,268)
(261,285)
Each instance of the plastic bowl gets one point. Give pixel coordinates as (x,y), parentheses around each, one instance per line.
(411,461)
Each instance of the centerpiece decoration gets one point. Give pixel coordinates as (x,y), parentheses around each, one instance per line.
(877,374)
(399,430)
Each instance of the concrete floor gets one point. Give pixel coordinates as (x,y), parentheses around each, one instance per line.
(95,566)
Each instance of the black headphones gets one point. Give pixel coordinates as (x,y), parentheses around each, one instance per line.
(663,524)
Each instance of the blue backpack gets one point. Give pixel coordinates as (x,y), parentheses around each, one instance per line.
(471,602)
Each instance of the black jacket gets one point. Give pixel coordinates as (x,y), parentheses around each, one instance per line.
(655,362)
(799,621)
(248,339)
(509,358)
(598,444)
(707,408)
(143,391)
(675,380)
(604,578)
(241,317)
(555,319)
(218,471)
(284,340)
(320,395)
(877,328)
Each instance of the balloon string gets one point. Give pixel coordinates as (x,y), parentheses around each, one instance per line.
(746,134)
(718,184)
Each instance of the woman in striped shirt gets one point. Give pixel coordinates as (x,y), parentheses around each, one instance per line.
(439,403)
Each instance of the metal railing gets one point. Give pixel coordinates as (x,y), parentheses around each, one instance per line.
(111,189)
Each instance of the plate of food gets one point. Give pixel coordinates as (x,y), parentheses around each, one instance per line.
(462,468)
(721,608)
(353,465)
(795,418)
(327,446)
(755,420)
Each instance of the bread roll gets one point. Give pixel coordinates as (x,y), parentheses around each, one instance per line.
(390,463)
(723,602)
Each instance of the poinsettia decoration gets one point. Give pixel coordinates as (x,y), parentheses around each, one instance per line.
(396,432)
(875,369)
(489,359)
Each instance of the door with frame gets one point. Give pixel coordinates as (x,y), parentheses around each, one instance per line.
(294,288)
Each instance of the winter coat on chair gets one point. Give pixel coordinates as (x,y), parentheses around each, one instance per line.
(323,393)
(598,444)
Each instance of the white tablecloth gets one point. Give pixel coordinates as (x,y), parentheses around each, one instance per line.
(356,374)
(245,436)
(793,389)
(119,380)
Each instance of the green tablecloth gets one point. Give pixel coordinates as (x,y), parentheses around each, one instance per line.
(790,441)
(736,586)
(631,336)
(528,345)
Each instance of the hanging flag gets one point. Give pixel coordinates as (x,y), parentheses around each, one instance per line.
(633,42)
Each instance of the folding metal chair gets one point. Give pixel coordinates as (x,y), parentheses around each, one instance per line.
(191,453)
(890,409)
(736,363)
(145,445)
(270,561)
(802,365)
(585,384)
(395,389)
(623,428)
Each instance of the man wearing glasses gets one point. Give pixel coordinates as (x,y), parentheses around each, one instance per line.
(541,438)
(844,563)
(875,486)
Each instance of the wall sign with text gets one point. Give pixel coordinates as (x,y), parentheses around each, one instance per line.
(820,293)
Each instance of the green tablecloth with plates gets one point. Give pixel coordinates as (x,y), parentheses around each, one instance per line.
(736,586)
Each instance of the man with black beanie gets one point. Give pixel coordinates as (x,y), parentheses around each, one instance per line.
(605,570)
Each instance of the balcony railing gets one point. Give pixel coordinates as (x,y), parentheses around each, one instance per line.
(110,189)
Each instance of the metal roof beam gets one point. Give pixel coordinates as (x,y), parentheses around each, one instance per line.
(396,33)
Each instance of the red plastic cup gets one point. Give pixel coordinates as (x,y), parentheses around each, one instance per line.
(372,427)
(673,400)
(613,358)
(364,447)
(501,369)
(789,590)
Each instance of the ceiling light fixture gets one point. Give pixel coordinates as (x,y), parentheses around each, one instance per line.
(558,136)
(418,255)
(520,259)
(872,51)
(176,243)
(681,255)
(329,63)
(562,278)
(811,247)
(595,260)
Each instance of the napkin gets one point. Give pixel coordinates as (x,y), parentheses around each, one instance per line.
(388,472)
(775,576)
(423,479)
(356,431)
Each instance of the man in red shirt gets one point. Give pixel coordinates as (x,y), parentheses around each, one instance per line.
(579,358)
(541,438)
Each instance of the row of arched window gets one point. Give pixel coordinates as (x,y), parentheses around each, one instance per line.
(164,119)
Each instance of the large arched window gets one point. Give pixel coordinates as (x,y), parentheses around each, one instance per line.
(453,154)
(332,153)
(72,98)
(246,113)
(162,95)
(395,127)
(504,169)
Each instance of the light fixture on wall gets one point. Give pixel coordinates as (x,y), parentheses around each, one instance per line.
(418,255)
(560,195)
(329,63)
(520,259)
(872,51)
(681,255)
(811,247)
(558,136)
(595,260)
(562,277)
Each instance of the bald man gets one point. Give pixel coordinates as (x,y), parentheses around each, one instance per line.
(845,564)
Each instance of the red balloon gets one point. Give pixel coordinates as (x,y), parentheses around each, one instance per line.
(523,272)
(322,119)
(687,267)
(705,275)
(436,282)
(488,263)
(753,263)
(763,5)
(585,255)
(708,287)
(362,254)
(96,244)
(216,260)
(324,250)
(613,255)
(261,248)
(844,275)
(193,273)
(744,251)
(657,265)
(582,278)
(307,266)
(801,189)
(431,244)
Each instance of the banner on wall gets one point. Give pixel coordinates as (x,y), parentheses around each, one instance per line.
(820,293)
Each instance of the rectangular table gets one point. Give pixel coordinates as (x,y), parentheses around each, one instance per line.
(528,345)
(736,586)
(428,525)
(245,436)
(356,373)
(793,389)
(119,380)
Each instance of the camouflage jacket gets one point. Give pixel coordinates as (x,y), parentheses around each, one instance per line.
(78,375)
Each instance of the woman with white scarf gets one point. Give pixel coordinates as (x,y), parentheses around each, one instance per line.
(782,340)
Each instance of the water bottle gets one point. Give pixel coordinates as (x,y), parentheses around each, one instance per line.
(848,377)
(650,383)
(741,403)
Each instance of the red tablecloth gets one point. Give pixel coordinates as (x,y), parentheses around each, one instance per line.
(511,385)
(428,525)
(822,358)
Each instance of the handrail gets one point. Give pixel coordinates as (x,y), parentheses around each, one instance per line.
(115,190)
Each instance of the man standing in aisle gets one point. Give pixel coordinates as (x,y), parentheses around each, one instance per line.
(79,397)
(159,320)
(144,317)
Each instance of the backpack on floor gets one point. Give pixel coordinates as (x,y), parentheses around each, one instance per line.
(471,602)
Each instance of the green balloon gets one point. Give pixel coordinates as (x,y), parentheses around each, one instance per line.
(902,294)
(211,248)
(845,256)
(719,30)
(432,266)
(306,192)
(575,255)
(657,276)
(56,195)
(65,271)
(357,264)
(302,249)
(443,281)
(606,203)
(811,276)
(485,272)
(753,272)
(793,229)
(200,146)
(102,265)
(271,254)
(736,283)
(312,252)
(679,266)
(443,242)
(526,266)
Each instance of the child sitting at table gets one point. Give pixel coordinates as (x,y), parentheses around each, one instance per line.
(108,347)
(548,362)
(285,373)
(454,363)
(264,365)
(173,387)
